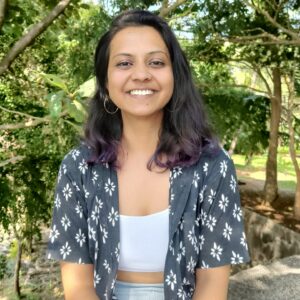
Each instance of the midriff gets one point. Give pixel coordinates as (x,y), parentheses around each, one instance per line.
(140,277)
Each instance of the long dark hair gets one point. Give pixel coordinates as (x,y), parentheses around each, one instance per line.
(185,131)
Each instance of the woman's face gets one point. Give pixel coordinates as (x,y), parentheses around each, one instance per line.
(139,78)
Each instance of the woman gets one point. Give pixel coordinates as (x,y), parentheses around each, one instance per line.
(147,207)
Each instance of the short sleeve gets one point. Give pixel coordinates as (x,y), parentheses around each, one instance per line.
(222,238)
(68,238)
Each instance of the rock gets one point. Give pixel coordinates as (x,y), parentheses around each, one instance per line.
(279,280)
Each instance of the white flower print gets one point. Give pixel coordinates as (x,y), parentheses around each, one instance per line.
(57,202)
(205,168)
(171,280)
(113,216)
(182,294)
(211,196)
(243,241)
(59,175)
(216,251)
(107,266)
(75,153)
(97,278)
(95,177)
(172,196)
(86,193)
(117,252)
(203,216)
(185,281)
(79,209)
(96,214)
(192,237)
(65,250)
(223,168)
(191,265)
(99,203)
(233,183)
(236,258)
(76,186)
(223,202)
(80,237)
(64,168)
(177,171)
(211,222)
(171,248)
(201,241)
(204,265)
(201,194)
(67,192)
(196,179)
(181,251)
(65,222)
(92,233)
(237,212)
(54,233)
(83,166)
(227,232)
(104,234)
(109,187)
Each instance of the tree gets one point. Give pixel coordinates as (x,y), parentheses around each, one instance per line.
(36,129)
(225,34)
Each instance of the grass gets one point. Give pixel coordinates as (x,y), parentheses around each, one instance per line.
(257,169)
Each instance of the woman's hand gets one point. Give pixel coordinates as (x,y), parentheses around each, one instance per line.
(212,284)
(78,281)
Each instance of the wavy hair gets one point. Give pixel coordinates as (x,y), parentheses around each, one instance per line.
(185,131)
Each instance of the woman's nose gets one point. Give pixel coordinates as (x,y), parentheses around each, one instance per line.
(141,73)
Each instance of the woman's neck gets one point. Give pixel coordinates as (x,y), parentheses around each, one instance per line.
(140,136)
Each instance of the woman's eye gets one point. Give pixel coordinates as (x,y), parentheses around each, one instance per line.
(123,64)
(157,63)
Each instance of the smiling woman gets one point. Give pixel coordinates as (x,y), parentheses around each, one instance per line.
(147,207)
(139,76)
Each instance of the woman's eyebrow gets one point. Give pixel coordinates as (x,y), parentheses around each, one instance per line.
(149,53)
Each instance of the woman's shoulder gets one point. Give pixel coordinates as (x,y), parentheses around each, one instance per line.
(80,153)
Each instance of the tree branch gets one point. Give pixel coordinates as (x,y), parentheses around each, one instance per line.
(293,34)
(19,113)
(12,160)
(31,122)
(201,84)
(3,6)
(31,35)
(166,9)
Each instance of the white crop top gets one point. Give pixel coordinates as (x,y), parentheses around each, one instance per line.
(144,242)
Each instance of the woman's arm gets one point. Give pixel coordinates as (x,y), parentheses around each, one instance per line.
(78,281)
(212,284)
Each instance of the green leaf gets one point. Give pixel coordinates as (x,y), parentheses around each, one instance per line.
(55,81)
(87,88)
(77,111)
(55,103)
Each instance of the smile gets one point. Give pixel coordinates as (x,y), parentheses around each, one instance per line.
(141,92)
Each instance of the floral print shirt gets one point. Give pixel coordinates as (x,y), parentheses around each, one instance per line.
(205,220)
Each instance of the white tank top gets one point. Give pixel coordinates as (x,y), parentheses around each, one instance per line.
(144,242)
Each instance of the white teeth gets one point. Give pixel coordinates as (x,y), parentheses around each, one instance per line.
(141,92)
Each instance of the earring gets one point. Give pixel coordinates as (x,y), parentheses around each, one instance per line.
(105,103)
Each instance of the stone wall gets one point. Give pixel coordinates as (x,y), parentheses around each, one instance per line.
(268,240)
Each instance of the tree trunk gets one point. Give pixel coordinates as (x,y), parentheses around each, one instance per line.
(233,143)
(17,270)
(292,146)
(271,187)
(297,200)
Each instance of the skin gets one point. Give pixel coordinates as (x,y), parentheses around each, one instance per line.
(139,60)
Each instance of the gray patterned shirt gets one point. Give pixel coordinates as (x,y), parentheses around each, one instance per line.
(205,221)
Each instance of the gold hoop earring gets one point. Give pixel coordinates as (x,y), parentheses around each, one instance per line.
(109,112)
